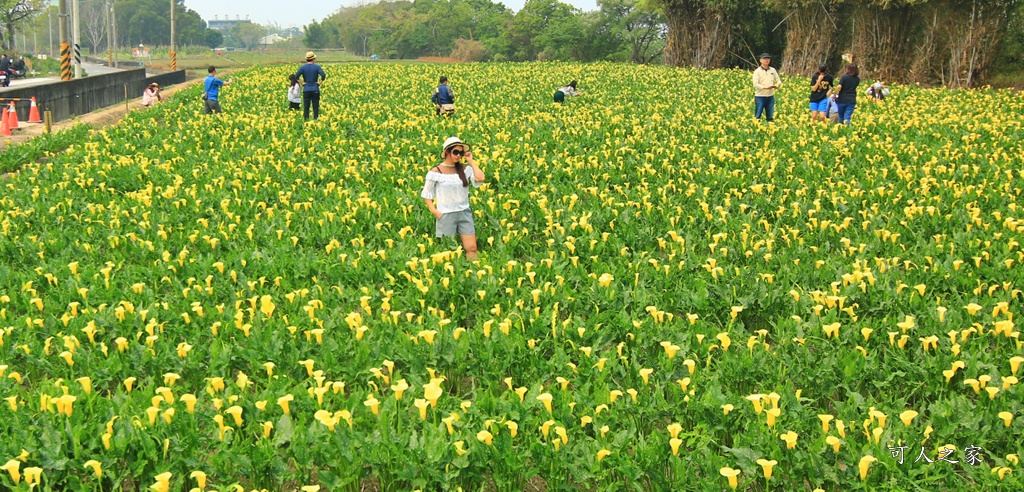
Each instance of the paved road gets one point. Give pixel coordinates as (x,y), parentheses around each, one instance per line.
(90,69)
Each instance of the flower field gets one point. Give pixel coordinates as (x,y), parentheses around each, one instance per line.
(669,296)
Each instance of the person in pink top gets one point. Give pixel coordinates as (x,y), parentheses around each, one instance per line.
(152,95)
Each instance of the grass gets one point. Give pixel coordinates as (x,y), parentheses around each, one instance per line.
(243,59)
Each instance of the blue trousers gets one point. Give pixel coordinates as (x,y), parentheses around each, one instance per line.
(846,112)
(765,104)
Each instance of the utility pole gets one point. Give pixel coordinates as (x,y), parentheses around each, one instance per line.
(65,47)
(174,54)
(106,27)
(113,27)
(49,24)
(77,35)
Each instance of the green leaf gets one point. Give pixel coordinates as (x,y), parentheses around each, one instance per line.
(284,430)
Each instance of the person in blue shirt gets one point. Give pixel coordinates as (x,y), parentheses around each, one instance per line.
(211,89)
(312,75)
(443,99)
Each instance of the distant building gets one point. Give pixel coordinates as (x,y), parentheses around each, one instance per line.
(271,39)
(225,25)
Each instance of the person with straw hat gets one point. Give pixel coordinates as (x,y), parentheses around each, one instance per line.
(446,193)
(312,75)
(151,95)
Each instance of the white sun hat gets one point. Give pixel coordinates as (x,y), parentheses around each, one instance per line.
(451,142)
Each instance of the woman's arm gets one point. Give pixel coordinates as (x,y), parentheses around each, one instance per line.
(478,175)
(428,194)
(433,210)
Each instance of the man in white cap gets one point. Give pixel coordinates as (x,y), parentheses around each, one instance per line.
(312,75)
(766,80)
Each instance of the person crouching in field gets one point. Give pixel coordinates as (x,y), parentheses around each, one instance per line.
(877,91)
(446,193)
(151,95)
(294,92)
(566,91)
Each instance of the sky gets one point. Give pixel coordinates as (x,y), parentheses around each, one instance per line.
(303,12)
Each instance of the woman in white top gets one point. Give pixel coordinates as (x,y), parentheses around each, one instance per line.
(151,95)
(566,91)
(294,92)
(446,193)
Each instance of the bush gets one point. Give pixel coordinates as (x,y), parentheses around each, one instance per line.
(44,67)
(468,50)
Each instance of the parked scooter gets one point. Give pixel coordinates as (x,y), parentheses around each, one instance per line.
(17,70)
(5,80)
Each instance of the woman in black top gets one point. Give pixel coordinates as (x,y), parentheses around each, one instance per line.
(847,91)
(821,82)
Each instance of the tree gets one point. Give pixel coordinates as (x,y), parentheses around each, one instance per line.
(812,32)
(248,34)
(640,29)
(213,38)
(468,51)
(1009,58)
(315,36)
(93,20)
(527,29)
(699,31)
(13,13)
(563,38)
(148,22)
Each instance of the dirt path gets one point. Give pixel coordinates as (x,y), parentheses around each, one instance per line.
(97,119)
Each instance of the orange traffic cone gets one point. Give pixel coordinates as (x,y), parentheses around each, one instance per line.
(12,117)
(4,129)
(33,112)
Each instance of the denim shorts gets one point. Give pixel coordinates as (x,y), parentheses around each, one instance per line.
(820,106)
(456,223)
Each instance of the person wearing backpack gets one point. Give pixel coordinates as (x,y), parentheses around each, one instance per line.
(443,99)
(211,91)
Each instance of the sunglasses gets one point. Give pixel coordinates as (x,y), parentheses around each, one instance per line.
(458,152)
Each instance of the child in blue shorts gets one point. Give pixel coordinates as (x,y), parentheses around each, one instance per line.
(821,82)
